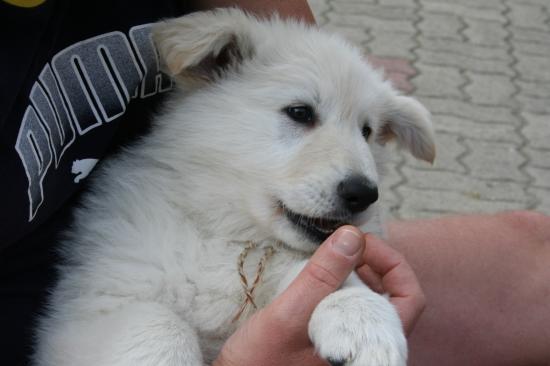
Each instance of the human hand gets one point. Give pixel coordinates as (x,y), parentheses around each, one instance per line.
(277,334)
(385,270)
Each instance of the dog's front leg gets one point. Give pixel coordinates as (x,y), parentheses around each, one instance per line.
(356,326)
(137,334)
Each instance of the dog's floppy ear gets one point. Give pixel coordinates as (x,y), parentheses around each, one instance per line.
(203,45)
(409,123)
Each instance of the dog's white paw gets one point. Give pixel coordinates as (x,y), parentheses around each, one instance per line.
(357,327)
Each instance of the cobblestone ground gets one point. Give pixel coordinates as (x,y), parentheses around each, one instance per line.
(483,70)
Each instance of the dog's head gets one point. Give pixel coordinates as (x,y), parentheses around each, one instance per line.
(286,122)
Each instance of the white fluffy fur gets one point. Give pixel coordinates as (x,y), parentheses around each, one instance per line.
(150,275)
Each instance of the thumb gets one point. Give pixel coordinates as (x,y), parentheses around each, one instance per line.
(324,273)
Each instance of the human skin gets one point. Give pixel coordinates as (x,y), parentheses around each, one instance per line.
(487,283)
(297,9)
(277,334)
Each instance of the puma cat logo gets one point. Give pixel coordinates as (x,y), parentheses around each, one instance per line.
(82,168)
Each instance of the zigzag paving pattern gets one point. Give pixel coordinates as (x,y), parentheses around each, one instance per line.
(483,70)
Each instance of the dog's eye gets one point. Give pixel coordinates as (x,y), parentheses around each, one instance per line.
(301,113)
(366,131)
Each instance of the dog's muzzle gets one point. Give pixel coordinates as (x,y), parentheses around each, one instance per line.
(355,194)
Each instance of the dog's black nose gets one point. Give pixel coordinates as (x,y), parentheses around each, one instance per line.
(357,193)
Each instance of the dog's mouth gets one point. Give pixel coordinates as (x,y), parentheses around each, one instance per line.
(318,229)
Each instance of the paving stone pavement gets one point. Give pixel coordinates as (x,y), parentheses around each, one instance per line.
(483,70)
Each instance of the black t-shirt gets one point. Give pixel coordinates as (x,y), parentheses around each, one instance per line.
(76,78)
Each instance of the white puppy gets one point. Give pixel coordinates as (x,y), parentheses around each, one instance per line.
(274,136)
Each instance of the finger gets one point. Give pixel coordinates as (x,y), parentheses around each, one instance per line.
(398,279)
(397,276)
(371,278)
(324,273)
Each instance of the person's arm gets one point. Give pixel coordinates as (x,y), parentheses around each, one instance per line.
(298,9)
(277,334)
(487,280)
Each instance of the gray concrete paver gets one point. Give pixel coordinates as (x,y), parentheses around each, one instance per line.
(471,187)
(470,111)
(538,158)
(483,69)
(399,3)
(350,33)
(529,35)
(374,10)
(533,68)
(468,9)
(438,25)
(470,5)
(423,203)
(537,129)
(534,104)
(365,21)
(532,48)
(531,16)
(489,89)
(543,199)
(477,52)
(495,160)
(534,88)
(391,44)
(485,32)
(438,81)
(536,2)
(503,132)
(541,177)
(463,61)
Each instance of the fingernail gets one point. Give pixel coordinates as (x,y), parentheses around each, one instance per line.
(346,242)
